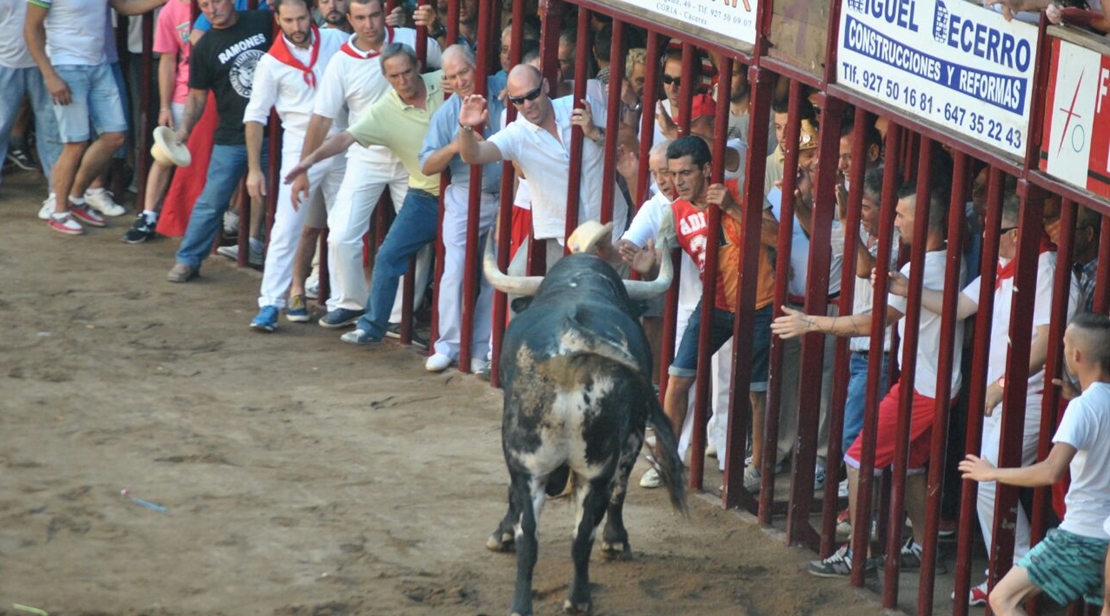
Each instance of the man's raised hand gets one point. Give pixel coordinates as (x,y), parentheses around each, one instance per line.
(473,112)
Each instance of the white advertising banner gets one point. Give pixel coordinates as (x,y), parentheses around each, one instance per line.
(724,21)
(951,62)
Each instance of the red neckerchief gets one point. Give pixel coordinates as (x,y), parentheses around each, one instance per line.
(1007,271)
(350,49)
(281,51)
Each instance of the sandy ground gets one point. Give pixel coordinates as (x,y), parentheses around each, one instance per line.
(301,476)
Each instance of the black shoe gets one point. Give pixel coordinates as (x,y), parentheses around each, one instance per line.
(140,231)
(21,158)
(393,330)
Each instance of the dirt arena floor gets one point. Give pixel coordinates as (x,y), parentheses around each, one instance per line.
(300,476)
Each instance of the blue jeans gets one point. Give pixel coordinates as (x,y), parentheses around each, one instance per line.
(857,394)
(415,226)
(226,166)
(14,83)
(685,362)
(95,101)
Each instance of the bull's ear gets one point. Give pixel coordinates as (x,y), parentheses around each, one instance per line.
(520,304)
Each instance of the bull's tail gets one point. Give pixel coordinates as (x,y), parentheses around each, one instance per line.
(667,461)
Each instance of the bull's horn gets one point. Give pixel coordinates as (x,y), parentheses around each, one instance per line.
(513,285)
(639,289)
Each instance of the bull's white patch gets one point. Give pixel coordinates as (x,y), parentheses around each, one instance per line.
(561,434)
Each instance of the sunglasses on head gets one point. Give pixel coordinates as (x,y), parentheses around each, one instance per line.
(531,96)
(668,80)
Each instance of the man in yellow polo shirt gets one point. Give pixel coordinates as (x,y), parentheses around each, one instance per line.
(398,121)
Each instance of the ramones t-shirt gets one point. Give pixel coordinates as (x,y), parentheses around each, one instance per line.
(223,61)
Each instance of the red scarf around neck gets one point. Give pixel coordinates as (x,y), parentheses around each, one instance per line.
(281,51)
(1007,271)
(354,52)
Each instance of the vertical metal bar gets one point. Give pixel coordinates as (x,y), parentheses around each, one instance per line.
(146,124)
(861,517)
(574,185)
(505,215)
(323,279)
(945,364)
(474,209)
(708,295)
(1102,282)
(782,271)
(841,373)
(755,169)
(422,43)
(647,119)
(909,366)
(549,41)
(452,21)
(686,91)
(613,121)
(440,256)
(798,528)
(977,386)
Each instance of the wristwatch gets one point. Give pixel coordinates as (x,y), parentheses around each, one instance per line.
(438,32)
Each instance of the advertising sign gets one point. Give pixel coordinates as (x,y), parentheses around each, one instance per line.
(1075,147)
(729,22)
(950,62)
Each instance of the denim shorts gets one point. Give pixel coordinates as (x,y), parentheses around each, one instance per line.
(685,362)
(96,101)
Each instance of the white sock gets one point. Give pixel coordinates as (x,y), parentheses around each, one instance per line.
(150,216)
(76,200)
(94,191)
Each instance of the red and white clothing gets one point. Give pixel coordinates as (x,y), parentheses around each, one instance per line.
(284,80)
(996,368)
(351,84)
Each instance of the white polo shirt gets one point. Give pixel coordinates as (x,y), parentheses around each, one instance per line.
(75,31)
(283,87)
(1086,426)
(354,80)
(545,161)
(929,330)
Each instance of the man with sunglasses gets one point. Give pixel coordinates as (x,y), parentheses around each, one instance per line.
(539,142)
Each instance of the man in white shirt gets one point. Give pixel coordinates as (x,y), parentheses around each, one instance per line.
(1068,563)
(539,142)
(285,79)
(20,77)
(78,77)
(996,369)
(795,323)
(354,82)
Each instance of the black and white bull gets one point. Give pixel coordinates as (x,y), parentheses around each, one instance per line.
(576,370)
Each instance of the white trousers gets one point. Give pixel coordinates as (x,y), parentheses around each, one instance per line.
(720,381)
(453,232)
(349,220)
(992,437)
(285,235)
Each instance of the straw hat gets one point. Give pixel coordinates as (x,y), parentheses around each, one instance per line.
(807,138)
(587,235)
(168,150)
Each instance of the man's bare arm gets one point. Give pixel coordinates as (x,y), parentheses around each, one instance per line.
(437,162)
(34,33)
(318,127)
(194,109)
(795,323)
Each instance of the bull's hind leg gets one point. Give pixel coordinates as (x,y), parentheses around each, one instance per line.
(593,497)
(526,495)
(502,538)
(614,540)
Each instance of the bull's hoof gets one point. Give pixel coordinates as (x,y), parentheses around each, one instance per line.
(500,542)
(576,608)
(616,551)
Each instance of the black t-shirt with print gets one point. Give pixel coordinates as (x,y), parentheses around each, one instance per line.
(223,61)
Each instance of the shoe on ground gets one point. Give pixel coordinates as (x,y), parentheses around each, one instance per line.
(360,337)
(255,258)
(977,596)
(141,230)
(711,449)
(438,363)
(85,214)
(909,558)
(64,223)
(651,479)
(480,368)
(753,478)
(47,207)
(21,157)
(947,529)
(843,524)
(819,477)
(297,310)
(839,564)
(267,319)
(393,330)
(181,272)
(101,200)
(340,317)
(842,489)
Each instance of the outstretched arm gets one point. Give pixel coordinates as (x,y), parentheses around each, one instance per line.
(795,323)
(334,145)
(1044,473)
(474,114)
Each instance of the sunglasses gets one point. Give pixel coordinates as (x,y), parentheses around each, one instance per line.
(531,96)
(668,80)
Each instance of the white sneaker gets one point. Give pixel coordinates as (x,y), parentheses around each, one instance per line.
(437,363)
(312,288)
(47,207)
(100,200)
(651,479)
(255,257)
(478,365)
(711,449)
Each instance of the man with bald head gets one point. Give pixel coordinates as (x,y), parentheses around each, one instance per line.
(539,142)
